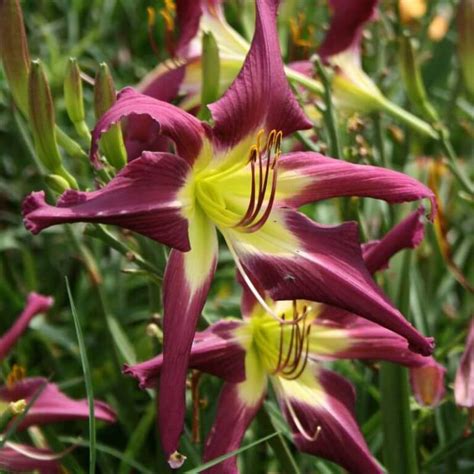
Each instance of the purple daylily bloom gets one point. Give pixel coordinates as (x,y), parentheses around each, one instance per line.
(36,304)
(233,178)
(464,381)
(49,407)
(318,404)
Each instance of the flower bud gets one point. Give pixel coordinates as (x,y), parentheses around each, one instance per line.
(14,51)
(427,383)
(104,97)
(210,73)
(465,22)
(412,79)
(73,97)
(57,183)
(42,122)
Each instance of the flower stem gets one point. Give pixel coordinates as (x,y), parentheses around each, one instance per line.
(399,443)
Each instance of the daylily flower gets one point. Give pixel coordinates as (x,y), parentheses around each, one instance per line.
(36,304)
(317,403)
(50,406)
(233,178)
(464,381)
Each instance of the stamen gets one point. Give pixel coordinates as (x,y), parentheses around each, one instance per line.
(251,222)
(298,424)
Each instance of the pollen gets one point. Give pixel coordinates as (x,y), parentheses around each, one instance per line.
(263,161)
(17,374)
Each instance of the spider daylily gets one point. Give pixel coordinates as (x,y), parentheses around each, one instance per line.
(318,404)
(233,178)
(50,404)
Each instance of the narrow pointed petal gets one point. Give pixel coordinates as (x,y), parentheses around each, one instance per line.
(142,198)
(321,401)
(36,304)
(407,234)
(186,284)
(346,25)
(214,351)
(427,383)
(295,258)
(260,96)
(464,381)
(52,405)
(305,177)
(186,131)
(234,415)
(16,457)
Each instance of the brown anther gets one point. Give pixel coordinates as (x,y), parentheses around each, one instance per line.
(17,374)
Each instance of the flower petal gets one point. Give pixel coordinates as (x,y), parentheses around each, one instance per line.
(260,96)
(305,177)
(186,284)
(464,381)
(407,234)
(346,25)
(319,407)
(295,258)
(142,198)
(215,351)
(36,304)
(233,417)
(185,130)
(52,405)
(16,457)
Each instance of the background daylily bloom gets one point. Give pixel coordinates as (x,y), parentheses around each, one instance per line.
(318,404)
(233,178)
(464,382)
(36,304)
(50,406)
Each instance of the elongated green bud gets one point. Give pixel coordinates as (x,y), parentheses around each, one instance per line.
(465,22)
(412,79)
(42,122)
(104,97)
(210,73)
(57,183)
(74,98)
(14,51)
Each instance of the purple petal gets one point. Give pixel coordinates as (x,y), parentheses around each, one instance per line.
(325,265)
(407,234)
(305,177)
(427,383)
(23,458)
(185,130)
(36,304)
(346,26)
(188,15)
(464,381)
(328,407)
(232,420)
(142,197)
(186,285)
(52,405)
(214,351)
(260,96)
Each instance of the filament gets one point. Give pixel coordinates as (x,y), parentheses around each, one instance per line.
(298,424)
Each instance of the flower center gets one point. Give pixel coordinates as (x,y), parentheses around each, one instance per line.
(240,195)
(284,347)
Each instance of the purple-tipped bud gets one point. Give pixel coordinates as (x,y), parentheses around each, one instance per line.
(74,98)
(112,144)
(465,22)
(14,51)
(427,383)
(464,381)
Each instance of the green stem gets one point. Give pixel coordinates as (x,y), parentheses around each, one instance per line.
(410,120)
(399,442)
(329,114)
(305,81)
